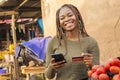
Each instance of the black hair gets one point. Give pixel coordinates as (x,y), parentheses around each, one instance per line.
(80,23)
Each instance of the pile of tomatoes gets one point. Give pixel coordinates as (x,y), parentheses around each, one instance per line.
(108,71)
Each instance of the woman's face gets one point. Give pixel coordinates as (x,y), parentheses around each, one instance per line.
(67,19)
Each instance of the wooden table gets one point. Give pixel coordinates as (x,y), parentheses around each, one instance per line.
(9,73)
(33,70)
(5,77)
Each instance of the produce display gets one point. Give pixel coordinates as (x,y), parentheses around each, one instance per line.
(108,71)
(2,53)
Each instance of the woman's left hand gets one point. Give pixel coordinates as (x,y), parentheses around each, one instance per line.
(88,59)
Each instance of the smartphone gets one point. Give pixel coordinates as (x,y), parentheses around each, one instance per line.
(58,57)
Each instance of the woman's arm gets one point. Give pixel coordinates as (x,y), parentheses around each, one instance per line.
(94,50)
(49,72)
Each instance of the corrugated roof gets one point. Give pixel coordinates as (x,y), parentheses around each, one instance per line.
(25,8)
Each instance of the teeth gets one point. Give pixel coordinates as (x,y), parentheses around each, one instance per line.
(69,24)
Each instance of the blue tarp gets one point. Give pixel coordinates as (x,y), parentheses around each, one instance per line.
(36,45)
(41,25)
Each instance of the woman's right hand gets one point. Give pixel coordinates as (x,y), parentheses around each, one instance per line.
(55,65)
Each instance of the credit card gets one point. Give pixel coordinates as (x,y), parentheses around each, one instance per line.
(77,59)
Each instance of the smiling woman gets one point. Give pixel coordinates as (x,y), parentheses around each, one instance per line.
(79,49)
(67,19)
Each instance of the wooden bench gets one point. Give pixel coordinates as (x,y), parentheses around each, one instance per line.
(5,77)
(33,70)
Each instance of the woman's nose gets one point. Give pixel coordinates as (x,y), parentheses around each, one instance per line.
(66,19)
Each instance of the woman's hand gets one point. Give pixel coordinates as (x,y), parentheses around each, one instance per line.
(88,59)
(55,65)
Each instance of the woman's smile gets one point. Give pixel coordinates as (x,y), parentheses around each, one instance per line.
(67,19)
(69,24)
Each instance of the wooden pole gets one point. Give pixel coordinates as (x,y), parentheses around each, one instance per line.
(13,29)
(16,71)
(21,4)
(8,38)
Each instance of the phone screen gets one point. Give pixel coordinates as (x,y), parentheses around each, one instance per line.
(58,57)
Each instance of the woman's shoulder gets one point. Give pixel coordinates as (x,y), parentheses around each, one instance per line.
(53,39)
(90,39)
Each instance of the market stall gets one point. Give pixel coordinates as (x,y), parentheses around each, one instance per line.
(10,14)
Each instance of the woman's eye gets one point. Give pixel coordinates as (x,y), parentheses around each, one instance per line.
(61,18)
(70,15)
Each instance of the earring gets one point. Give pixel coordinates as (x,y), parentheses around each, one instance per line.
(61,29)
(80,24)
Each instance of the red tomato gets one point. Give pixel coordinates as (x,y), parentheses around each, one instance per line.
(100,70)
(114,69)
(114,62)
(119,63)
(103,76)
(94,68)
(107,66)
(116,77)
(94,75)
(90,73)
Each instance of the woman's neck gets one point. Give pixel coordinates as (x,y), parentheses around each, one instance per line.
(73,36)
